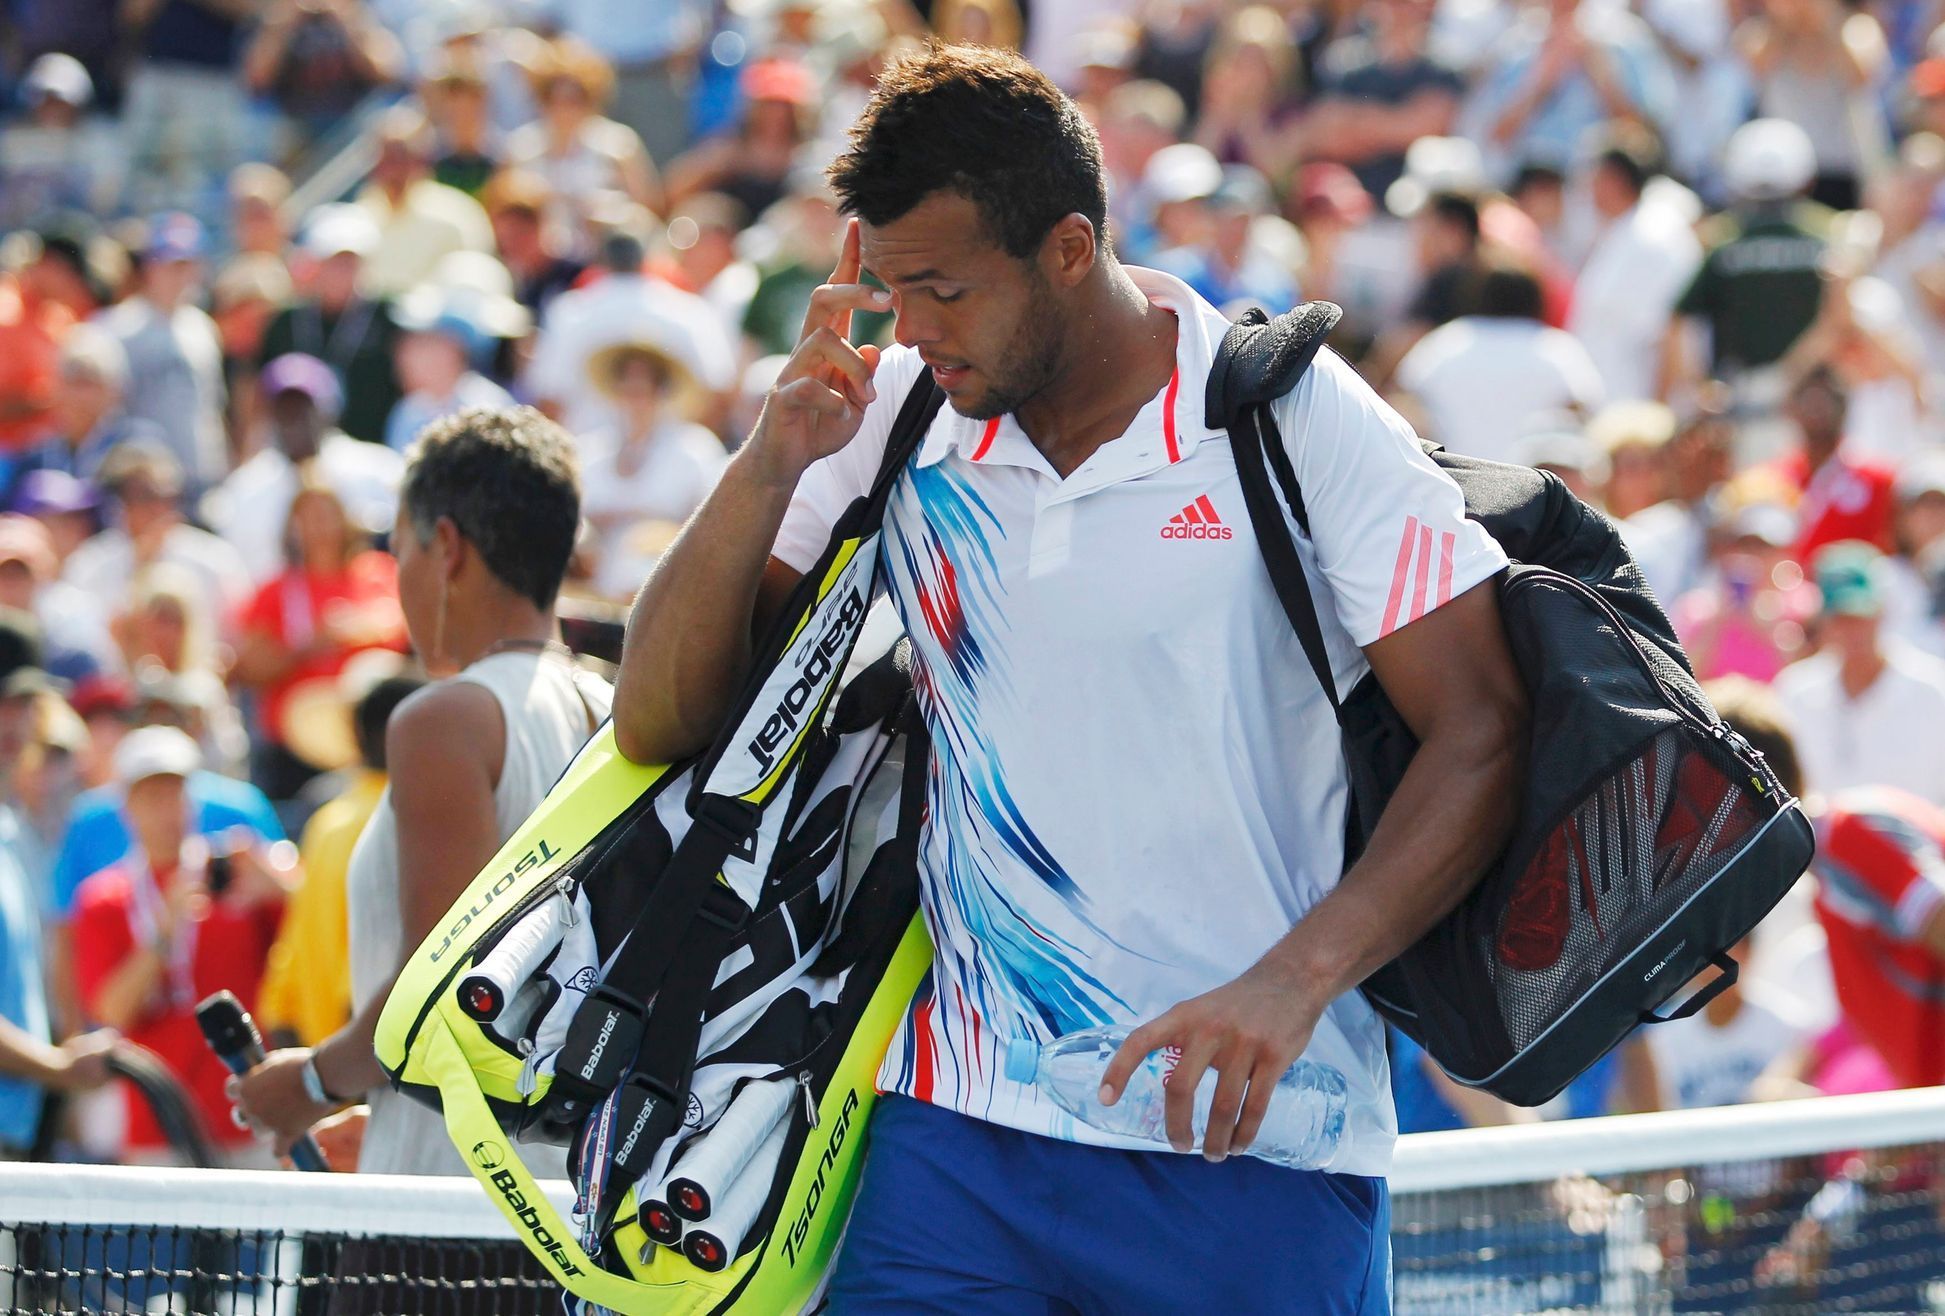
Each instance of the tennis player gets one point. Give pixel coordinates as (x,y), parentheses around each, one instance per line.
(1136,795)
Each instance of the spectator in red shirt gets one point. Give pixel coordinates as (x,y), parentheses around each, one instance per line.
(336,598)
(1841,496)
(169,924)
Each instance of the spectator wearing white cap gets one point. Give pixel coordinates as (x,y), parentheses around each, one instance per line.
(176,918)
(175,358)
(1176,185)
(1247,255)
(1136,121)
(335,321)
(56,158)
(1759,286)
(301,405)
(439,349)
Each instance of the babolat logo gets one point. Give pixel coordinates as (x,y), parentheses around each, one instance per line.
(816,662)
(833,1144)
(600,1045)
(501,885)
(529,1219)
(626,1154)
(489,1155)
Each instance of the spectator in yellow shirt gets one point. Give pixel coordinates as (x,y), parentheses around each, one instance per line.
(306,993)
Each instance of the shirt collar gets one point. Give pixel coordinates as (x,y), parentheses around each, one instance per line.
(1199,330)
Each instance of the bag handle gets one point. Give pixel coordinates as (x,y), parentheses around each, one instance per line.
(1728,972)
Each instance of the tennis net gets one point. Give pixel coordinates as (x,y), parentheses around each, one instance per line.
(1794,1207)
(78,1238)
(1831,1205)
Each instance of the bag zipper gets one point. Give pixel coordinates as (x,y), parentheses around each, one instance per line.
(1739,751)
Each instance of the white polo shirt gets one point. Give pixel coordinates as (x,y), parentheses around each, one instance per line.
(1136,785)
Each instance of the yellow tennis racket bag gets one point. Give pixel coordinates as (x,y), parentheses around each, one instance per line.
(688,974)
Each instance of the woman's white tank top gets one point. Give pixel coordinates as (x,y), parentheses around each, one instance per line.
(550,708)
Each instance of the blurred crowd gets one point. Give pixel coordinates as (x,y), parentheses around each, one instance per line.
(1688,255)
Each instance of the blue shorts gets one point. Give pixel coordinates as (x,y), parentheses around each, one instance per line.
(959,1216)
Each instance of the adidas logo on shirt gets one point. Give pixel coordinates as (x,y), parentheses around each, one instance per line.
(1197,521)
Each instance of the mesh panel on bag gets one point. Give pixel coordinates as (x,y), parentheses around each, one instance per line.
(1657,831)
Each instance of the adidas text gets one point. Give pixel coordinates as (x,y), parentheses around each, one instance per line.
(1174,531)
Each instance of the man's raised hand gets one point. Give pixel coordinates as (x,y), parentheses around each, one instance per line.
(823,390)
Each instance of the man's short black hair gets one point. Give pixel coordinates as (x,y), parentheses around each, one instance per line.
(1459,209)
(983,123)
(1510,292)
(1632,152)
(506,477)
(373,711)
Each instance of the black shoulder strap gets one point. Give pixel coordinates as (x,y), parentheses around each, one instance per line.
(1261,360)
(690,920)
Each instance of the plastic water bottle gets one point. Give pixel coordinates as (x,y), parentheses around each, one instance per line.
(1301,1128)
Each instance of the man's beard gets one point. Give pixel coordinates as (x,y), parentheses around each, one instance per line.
(1030,364)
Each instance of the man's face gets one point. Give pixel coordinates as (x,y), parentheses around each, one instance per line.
(169,282)
(336,280)
(1851,637)
(1819,413)
(144,506)
(988,325)
(80,401)
(17,584)
(157,809)
(295,422)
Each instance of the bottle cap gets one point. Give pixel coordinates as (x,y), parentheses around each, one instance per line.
(1022,1059)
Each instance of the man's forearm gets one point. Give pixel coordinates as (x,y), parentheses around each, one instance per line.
(1447,821)
(689,640)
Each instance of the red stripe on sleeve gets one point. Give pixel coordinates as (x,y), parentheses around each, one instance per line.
(1445,567)
(1423,572)
(1398,575)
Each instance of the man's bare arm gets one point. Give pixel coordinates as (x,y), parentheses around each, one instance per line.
(1452,678)
(689,640)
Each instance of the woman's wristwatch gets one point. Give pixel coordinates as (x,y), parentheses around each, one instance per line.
(314,1083)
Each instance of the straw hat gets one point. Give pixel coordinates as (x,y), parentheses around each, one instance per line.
(684,391)
(317,713)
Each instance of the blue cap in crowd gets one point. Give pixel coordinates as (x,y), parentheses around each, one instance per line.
(174,236)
